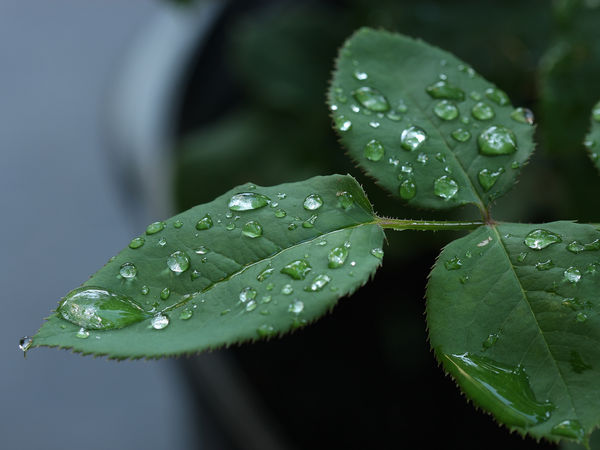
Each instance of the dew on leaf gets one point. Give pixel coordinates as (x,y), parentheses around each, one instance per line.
(230,226)
(581,317)
(497,96)
(482,111)
(377,252)
(296,307)
(318,283)
(205,223)
(345,200)
(248,201)
(422,158)
(313,202)
(522,115)
(461,135)
(488,177)
(544,265)
(82,333)
(165,293)
(310,222)
(128,270)
(408,189)
(337,257)
(292,226)
(371,99)
(246,294)
(570,429)
(412,138)
(453,263)
(145,290)
(161,242)
(490,341)
(201,250)
(137,242)
(540,239)
(446,110)
(178,262)
(374,124)
(159,321)
(497,140)
(252,229)
(445,187)
(251,305)
(287,289)
(155,227)
(178,223)
(359,75)
(266,299)
(280,213)
(265,330)
(572,275)
(445,90)
(297,269)
(186,314)
(265,273)
(578,247)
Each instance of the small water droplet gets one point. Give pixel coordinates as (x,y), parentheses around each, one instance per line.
(443,89)
(159,321)
(394,116)
(371,99)
(225,312)
(497,140)
(412,138)
(205,223)
(377,252)
(522,256)
(165,293)
(581,317)
(287,289)
(572,275)
(162,242)
(374,150)
(408,189)
(490,341)
(461,135)
(310,222)
(578,247)
(280,213)
(265,330)
(313,202)
(155,227)
(422,158)
(374,124)
(178,223)
(252,229)
(475,95)
(266,299)
(296,307)
(445,187)
(292,226)
(488,177)
(128,270)
(82,333)
(247,294)
(497,96)
(248,201)
(522,115)
(569,428)
(360,76)
(297,269)
(482,111)
(446,110)
(186,314)
(544,265)
(202,250)
(251,305)
(345,200)
(178,262)
(265,273)
(337,257)
(137,242)
(540,239)
(25,344)
(145,290)
(230,226)
(319,282)
(453,263)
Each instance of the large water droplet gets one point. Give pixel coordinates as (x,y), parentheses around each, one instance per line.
(540,239)
(488,177)
(522,115)
(413,138)
(205,223)
(252,229)
(570,429)
(318,283)
(572,275)
(446,110)
(99,309)
(445,187)
(297,269)
(578,247)
(247,201)
(497,140)
(247,294)
(371,99)
(159,321)
(497,96)
(374,150)
(137,242)
(313,202)
(337,257)
(482,111)
(443,89)
(461,135)
(178,262)
(500,388)
(155,227)
(408,189)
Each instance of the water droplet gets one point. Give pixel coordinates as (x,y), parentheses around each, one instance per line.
(544,265)
(178,262)
(408,189)
(280,213)
(570,429)
(482,111)
(128,270)
(292,226)
(178,223)
(247,201)
(319,282)
(82,333)
(265,273)
(453,263)
(499,387)
(578,365)
(572,275)
(581,317)
(371,99)
(159,321)
(443,89)
(475,95)
(446,110)
(145,290)
(155,227)
(412,138)
(515,165)
(165,293)
(266,299)
(461,135)
(377,252)
(162,242)
(522,115)
(445,187)
(99,309)
(422,158)
(578,247)
(596,112)
(251,305)
(374,124)
(337,257)
(247,294)
(297,269)
(287,289)
(230,226)
(25,344)
(186,314)
(310,222)
(485,242)
(360,76)
(205,223)
(490,341)
(488,177)
(497,96)
(313,202)
(497,140)
(265,330)
(137,242)
(202,250)
(296,307)
(540,239)
(345,200)
(394,115)
(252,229)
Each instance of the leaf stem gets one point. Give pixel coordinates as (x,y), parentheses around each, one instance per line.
(433,225)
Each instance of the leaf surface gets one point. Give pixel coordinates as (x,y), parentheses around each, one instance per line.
(218,285)
(592,140)
(513,316)
(424,124)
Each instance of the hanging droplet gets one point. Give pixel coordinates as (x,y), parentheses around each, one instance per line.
(443,89)
(497,140)
(297,269)
(522,115)
(137,242)
(178,262)
(25,344)
(461,135)
(247,201)
(247,294)
(572,275)
(252,229)
(497,96)
(488,177)
(205,223)
(374,150)
(454,263)
(377,252)
(313,202)
(371,99)
(318,283)
(128,270)
(445,187)
(413,138)
(337,257)
(159,321)
(482,111)
(408,189)
(446,110)
(155,227)
(540,239)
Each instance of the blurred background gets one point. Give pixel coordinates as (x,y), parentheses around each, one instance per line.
(115,114)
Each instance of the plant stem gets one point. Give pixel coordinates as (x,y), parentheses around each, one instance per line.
(434,225)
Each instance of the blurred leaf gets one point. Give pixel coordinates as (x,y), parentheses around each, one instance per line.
(592,140)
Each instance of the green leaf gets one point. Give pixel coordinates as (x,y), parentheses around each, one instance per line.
(513,316)
(424,124)
(592,140)
(221,273)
